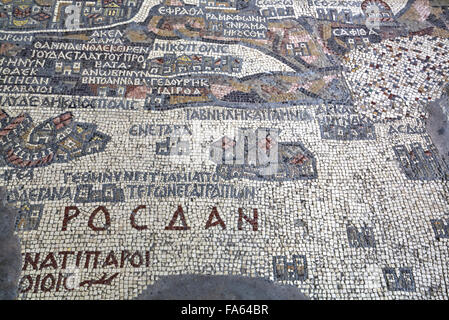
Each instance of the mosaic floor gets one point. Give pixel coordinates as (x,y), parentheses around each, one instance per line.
(279,139)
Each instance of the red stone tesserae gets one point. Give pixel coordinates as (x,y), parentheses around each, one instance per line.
(179,213)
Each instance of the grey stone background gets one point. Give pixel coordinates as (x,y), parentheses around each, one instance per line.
(437,123)
(10,254)
(203,287)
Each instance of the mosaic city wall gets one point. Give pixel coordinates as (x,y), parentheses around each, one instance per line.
(279,139)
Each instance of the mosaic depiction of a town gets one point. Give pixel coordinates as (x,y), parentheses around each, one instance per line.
(275,139)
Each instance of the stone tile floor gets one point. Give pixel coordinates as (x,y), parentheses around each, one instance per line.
(300,142)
